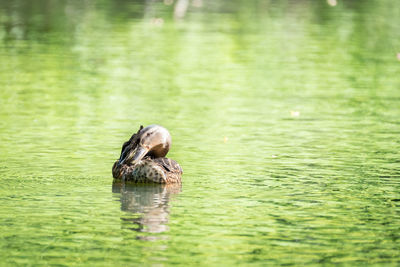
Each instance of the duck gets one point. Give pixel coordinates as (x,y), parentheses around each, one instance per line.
(143,160)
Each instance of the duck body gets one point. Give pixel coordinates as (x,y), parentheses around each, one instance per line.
(148,170)
(143,159)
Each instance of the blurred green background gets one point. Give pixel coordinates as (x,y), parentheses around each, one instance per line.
(284,116)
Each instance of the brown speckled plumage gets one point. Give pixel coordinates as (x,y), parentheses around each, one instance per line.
(158,170)
(149,169)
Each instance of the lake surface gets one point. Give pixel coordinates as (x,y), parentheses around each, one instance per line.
(284,116)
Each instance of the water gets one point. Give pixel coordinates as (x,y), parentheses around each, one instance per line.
(284,116)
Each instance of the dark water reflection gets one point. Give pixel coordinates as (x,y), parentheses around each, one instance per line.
(148,203)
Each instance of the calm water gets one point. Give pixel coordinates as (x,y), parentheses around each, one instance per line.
(284,116)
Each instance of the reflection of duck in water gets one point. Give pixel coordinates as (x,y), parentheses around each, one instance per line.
(150,202)
(143,159)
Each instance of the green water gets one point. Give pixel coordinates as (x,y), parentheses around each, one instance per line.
(284,116)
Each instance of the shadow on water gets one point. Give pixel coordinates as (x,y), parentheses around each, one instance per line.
(149,205)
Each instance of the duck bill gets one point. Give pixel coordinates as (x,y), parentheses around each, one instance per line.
(134,155)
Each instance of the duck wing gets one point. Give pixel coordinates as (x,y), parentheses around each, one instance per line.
(130,144)
(169,165)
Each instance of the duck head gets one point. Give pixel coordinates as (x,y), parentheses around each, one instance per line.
(153,141)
